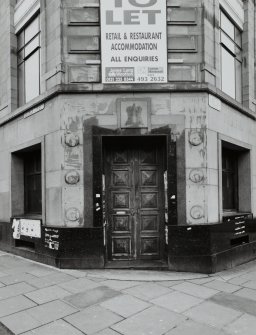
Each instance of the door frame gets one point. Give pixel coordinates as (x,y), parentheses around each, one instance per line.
(98,136)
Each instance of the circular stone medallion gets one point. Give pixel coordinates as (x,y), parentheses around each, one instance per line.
(197,212)
(196,175)
(72,214)
(72,177)
(195,138)
(71,140)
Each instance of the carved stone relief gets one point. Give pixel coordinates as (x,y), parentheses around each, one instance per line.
(71,139)
(72,177)
(196,175)
(197,212)
(72,214)
(195,138)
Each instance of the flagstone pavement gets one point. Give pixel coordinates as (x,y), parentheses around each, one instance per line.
(42,300)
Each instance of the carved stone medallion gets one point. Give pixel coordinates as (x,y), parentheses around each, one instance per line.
(195,138)
(196,175)
(72,214)
(72,177)
(71,140)
(197,212)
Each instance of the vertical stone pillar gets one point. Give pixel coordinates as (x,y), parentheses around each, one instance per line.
(248,45)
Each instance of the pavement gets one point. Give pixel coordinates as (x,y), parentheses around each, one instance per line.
(42,300)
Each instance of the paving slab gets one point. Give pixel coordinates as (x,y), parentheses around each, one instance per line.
(170,283)
(147,291)
(75,273)
(201,281)
(241,304)
(18,278)
(97,280)
(59,327)
(213,314)
(20,322)
(125,305)
(91,297)
(248,276)
(190,327)
(9,261)
(229,274)
(51,311)
(2,274)
(14,305)
(240,280)
(177,301)
(223,286)
(47,294)
(41,272)
(106,331)
(250,284)
(79,285)
(50,279)
(93,319)
(195,290)
(245,325)
(120,284)
(14,290)
(152,321)
(245,293)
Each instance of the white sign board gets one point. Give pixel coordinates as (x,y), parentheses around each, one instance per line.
(31,228)
(133,41)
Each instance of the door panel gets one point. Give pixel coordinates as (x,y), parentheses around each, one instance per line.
(134,200)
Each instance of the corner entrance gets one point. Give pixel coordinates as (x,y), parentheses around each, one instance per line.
(134,194)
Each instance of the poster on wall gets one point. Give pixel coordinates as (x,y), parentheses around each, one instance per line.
(133,41)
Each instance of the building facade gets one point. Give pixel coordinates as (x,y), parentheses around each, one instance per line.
(99,169)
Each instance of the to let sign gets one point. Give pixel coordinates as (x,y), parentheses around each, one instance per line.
(133,41)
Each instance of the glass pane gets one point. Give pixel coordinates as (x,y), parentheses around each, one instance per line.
(228,73)
(33,186)
(38,162)
(228,188)
(33,194)
(238,81)
(32,46)
(21,84)
(227,26)
(32,77)
(238,37)
(32,30)
(228,42)
(229,178)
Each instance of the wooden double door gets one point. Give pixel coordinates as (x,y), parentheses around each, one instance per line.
(134,194)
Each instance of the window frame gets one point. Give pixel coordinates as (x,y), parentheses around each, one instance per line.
(17,178)
(30,160)
(243,152)
(232,45)
(23,58)
(231,171)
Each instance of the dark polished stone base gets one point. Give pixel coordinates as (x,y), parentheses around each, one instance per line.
(197,248)
(211,248)
(66,248)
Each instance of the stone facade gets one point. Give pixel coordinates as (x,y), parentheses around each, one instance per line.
(74,106)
